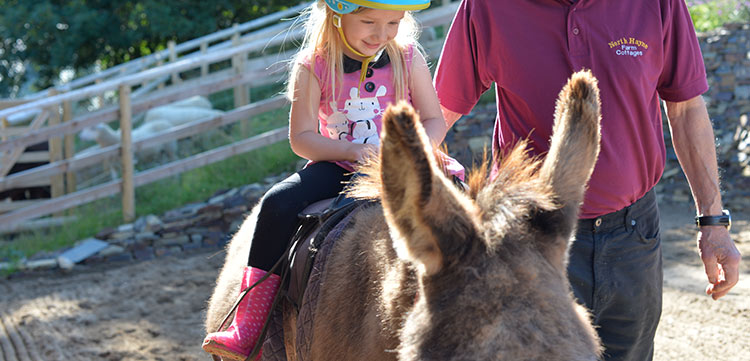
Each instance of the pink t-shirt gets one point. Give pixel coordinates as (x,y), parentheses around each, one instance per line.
(639,50)
(356,114)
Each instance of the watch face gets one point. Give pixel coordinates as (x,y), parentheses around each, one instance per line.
(729,218)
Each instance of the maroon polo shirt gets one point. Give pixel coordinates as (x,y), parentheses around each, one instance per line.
(639,50)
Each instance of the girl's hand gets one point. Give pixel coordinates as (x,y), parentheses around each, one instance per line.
(360,152)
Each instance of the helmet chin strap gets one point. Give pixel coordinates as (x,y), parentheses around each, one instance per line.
(367,59)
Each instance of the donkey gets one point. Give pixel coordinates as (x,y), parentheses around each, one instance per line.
(437,274)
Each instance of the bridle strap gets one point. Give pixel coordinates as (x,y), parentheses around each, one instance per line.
(367,59)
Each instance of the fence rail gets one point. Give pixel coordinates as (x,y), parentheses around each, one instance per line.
(139,92)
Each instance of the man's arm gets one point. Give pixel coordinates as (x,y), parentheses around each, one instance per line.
(693,141)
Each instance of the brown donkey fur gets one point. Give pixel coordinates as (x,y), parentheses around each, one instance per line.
(435,274)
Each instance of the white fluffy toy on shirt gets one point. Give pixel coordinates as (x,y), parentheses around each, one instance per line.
(361,112)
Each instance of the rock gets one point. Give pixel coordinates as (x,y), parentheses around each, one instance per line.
(118,236)
(41,264)
(83,250)
(105,233)
(164,242)
(252,191)
(181,213)
(111,251)
(742,92)
(143,253)
(146,237)
(149,223)
(124,228)
(237,211)
(65,264)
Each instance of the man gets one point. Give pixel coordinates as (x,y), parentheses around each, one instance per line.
(640,51)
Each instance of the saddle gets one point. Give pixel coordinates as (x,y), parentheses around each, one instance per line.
(316,222)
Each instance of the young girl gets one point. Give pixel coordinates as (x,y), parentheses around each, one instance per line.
(357,57)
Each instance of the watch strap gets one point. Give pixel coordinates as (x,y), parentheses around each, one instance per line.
(723,220)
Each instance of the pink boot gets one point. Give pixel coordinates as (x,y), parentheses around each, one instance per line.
(239,338)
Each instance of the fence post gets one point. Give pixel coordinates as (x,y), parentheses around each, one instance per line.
(159,63)
(4,124)
(126,154)
(204,66)
(57,186)
(172,58)
(99,97)
(240,91)
(70,177)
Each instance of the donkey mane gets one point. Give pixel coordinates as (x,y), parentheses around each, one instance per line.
(518,186)
(515,165)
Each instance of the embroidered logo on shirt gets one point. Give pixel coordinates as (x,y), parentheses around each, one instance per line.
(628,47)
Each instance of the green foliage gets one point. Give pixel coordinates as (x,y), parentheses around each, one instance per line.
(47,36)
(711,14)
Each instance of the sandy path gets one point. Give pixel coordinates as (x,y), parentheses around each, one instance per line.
(143,311)
(153,310)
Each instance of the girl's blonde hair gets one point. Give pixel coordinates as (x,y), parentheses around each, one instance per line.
(322,39)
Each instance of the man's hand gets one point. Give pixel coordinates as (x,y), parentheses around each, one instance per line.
(721,259)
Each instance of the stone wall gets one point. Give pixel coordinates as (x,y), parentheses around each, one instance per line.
(726,54)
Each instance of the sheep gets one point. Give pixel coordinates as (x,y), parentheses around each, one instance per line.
(178,115)
(183,111)
(192,102)
(105,136)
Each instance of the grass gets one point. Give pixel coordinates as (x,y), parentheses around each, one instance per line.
(156,198)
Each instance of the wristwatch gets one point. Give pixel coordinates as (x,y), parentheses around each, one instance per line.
(725,219)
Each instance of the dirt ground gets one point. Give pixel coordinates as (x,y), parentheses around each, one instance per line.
(154,310)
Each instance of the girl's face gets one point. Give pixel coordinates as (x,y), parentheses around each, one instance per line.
(368,31)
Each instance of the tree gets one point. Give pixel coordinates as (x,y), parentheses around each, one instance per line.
(45,37)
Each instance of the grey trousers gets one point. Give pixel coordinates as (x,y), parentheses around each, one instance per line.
(615,270)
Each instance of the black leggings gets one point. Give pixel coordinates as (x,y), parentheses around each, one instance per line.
(277,218)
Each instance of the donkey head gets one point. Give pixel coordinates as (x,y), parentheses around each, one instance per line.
(491,265)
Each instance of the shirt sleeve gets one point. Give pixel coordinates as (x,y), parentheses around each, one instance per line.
(683,76)
(460,78)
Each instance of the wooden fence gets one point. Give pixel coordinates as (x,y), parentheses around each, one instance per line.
(139,90)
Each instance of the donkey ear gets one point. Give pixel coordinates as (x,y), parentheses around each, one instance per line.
(574,146)
(429,219)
